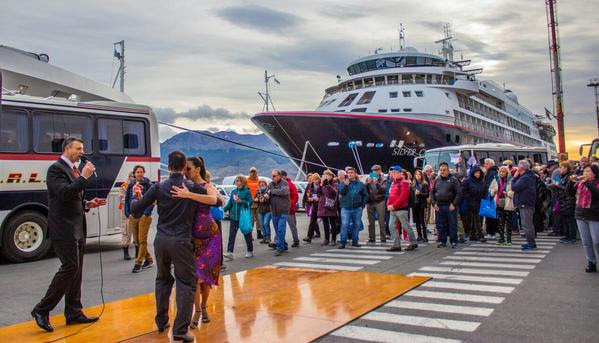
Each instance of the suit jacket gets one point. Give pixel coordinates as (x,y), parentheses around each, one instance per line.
(66,204)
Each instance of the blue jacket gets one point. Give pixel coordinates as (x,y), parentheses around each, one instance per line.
(352,196)
(525,189)
(474,189)
(146,183)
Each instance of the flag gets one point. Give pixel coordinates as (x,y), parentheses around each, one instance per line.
(548,114)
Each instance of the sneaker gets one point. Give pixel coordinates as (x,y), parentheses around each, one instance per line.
(147,264)
(307,240)
(295,245)
(508,243)
(500,242)
(272,245)
(441,245)
(526,247)
(394,249)
(249,254)
(412,247)
(342,246)
(591,267)
(357,245)
(228,256)
(278,253)
(491,237)
(462,240)
(136,269)
(454,245)
(260,236)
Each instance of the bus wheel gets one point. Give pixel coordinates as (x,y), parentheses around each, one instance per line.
(25,237)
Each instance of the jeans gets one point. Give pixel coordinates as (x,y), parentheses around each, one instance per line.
(265,220)
(404,219)
(589,234)
(570,228)
(526,214)
(233,228)
(279,224)
(347,215)
(447,223)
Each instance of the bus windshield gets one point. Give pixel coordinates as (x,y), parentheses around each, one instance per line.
(433,158)
(594,149)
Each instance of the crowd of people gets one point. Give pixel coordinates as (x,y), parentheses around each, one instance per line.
(525,198)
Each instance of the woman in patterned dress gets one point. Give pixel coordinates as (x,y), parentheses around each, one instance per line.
(206,236)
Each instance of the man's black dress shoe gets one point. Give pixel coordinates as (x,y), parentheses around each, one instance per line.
(183,338)
(82,319)
(161,329)
(42,320)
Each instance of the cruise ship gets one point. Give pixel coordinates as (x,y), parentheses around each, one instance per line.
(391,107)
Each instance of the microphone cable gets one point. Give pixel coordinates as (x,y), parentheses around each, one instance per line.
(101,272)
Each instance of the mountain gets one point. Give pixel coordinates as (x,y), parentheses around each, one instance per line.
(224,158)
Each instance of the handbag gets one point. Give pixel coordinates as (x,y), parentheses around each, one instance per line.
(329,204)
(245,220)
(488,208)
(217,213)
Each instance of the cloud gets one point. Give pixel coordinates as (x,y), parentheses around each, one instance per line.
(259,18)
(204,112)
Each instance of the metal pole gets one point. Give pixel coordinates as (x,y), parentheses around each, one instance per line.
(595,83)
(555,66)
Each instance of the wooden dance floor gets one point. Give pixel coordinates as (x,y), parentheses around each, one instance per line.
(265,304)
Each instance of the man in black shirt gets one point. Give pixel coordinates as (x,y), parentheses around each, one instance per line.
(173,245)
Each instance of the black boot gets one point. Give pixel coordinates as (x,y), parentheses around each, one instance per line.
(591,267)
(126,253)
(260,236)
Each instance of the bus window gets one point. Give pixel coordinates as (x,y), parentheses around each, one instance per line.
(495,156)
(14,131)
(540,158)
(432,159)
(51,129)
(121,136)
(480,156)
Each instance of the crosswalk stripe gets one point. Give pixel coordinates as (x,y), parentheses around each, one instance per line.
(489,265)
(549,240)
(522,241)
(336,260)
(468,286)
(501,254)
(506,247)
(493,259)
(475,271)
(368,247)
(317,266)
(359,251)
(372,257)
(490,249)
(489,279)
(456,296)
(469,310)
(386,336)
(429,322)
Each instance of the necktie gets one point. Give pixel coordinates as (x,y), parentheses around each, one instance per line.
(75,171)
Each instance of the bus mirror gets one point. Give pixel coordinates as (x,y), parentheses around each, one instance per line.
(131,141)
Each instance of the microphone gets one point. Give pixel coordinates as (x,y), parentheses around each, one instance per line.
(84,161)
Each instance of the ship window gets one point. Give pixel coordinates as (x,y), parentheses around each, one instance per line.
(395,110)
(366,98)
(419,94)
(420,60)
(393,94)
(420,78)
(457,138)
(392,79)
(358,83)
(429,79)
(51,129)
(340,111)
(361,109)
(448,137)
(407,110)
(380,80)
(410,60)
(406,78)
(14,131)
(407,94)
(382,110)
(350,98)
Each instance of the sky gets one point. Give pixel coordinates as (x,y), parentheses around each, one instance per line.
(200,64)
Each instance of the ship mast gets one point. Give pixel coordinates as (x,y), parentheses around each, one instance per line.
(556,71)
(447,46)
(595,83)
(119,53)
(266,95)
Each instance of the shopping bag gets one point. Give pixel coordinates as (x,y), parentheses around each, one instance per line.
(245,220)
(217,212)
(488,208)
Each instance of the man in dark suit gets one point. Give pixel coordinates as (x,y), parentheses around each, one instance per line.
(173,245)
(67,230)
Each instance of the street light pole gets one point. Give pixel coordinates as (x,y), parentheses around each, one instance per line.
(595,83)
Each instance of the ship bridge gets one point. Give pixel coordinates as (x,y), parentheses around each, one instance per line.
(409,57)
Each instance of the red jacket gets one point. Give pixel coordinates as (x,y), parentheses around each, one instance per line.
(293,197)
(399,195)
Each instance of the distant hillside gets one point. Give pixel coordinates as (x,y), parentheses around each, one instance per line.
(225,159)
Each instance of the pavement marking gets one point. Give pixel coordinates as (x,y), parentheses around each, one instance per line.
(336,260)
(544,240)
(475,271)
(475,298)
(468,287)
(372,257)
(493,259)
(500,254)
(488,279)
(385,336)
(506,247)
(469,310)
(522,241)
(317,266)
(538,251)
(490,265)
(359,251)
(428,322)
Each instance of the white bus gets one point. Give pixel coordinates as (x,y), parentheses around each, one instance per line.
(499,152)
(116,137)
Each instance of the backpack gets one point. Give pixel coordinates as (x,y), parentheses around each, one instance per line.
(542,191)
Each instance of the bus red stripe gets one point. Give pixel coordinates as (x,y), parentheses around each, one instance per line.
(142,159)
(28,157)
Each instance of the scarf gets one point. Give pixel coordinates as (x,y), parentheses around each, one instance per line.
(583,195)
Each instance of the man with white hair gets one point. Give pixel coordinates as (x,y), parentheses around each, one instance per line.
(525,194)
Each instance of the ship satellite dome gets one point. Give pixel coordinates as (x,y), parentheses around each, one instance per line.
(511,95)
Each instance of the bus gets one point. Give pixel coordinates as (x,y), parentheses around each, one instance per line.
(499,152)
(593,149)
(116,136)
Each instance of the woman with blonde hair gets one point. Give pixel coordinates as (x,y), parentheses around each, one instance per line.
(311,201)
(501,190)
(240,198)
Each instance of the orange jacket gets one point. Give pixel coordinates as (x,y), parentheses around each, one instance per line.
(253,186)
